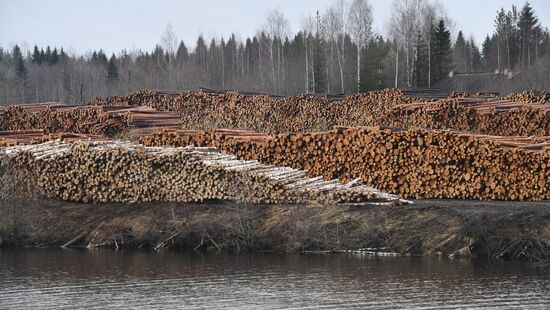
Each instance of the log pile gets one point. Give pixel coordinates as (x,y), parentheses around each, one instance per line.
(208,110)
(497,148)
(115,171)
(492,117)
(530,97)
(107,121)
(36,136)
(144,112)
(523,113)
(415,163)
(54,118)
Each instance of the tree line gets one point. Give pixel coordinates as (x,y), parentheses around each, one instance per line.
(334,51)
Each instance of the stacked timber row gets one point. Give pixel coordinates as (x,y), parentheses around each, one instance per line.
(122,172)
(57,117)
(107,121)
(503,118)
(530,97)
(522,114)
(207,110)
(415,163)
(35,136)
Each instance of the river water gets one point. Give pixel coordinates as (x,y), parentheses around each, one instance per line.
(54,278)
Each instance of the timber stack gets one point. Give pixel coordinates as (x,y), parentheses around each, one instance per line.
(115,171)
(58,117)
(492,117)
(107,121)
(523,113)
(471,146)
(35,136)
(414,163)
(271,114)
(530,97)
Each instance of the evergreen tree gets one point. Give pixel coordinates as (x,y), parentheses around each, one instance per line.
(48,55)
(486,48)
(112,70)
(460,54)
(500,33)
(230,59)
(441,52)
(513,36)
(20,73)
(36,56)
(102,58)
(66,78)
(421,66)
(473,56)
(182,55)
(373,71)
(527,24)
(63,56)
(54,57)
(94,57)
(42,55)
(319,64)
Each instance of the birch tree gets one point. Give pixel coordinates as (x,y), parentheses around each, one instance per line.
(336,20)
(277,28)
(406,23)
(308,26)
(169,42)
(410,18)
(360,28)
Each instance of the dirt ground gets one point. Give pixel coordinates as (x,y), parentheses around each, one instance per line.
(431,227)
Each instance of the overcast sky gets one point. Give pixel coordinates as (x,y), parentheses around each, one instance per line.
(112,25)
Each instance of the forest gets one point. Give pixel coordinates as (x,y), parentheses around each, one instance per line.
(335,51)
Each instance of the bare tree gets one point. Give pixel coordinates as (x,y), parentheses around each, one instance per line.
(308,27)
(336,19)
(360,27)
(405,24)
(430,16)
(277,28)
(169,42)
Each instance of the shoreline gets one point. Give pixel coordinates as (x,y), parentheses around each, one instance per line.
(446,228)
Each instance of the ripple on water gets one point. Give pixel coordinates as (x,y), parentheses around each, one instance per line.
(54,279)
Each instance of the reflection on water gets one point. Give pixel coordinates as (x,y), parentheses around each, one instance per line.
(99,279)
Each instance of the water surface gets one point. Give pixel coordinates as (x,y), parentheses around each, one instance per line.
(71,279)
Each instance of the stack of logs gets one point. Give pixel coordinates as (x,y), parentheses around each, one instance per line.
(415,163)
(502,117)
(207,110)
(123,172)
(35,136)
(516,114)
(55,117)
(530,97)
(107,121)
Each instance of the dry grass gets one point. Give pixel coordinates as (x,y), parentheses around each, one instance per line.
(506,232)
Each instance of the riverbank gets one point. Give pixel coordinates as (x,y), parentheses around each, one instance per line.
(447,228)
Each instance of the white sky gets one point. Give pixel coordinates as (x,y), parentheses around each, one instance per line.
(81,26)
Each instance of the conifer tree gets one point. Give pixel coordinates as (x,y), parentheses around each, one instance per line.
(20,73)
(441,51)
(460,53)
(36,56)
(527,24)
(112,70)
(373,71)
(319,64)
(421,66)
(54,57)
